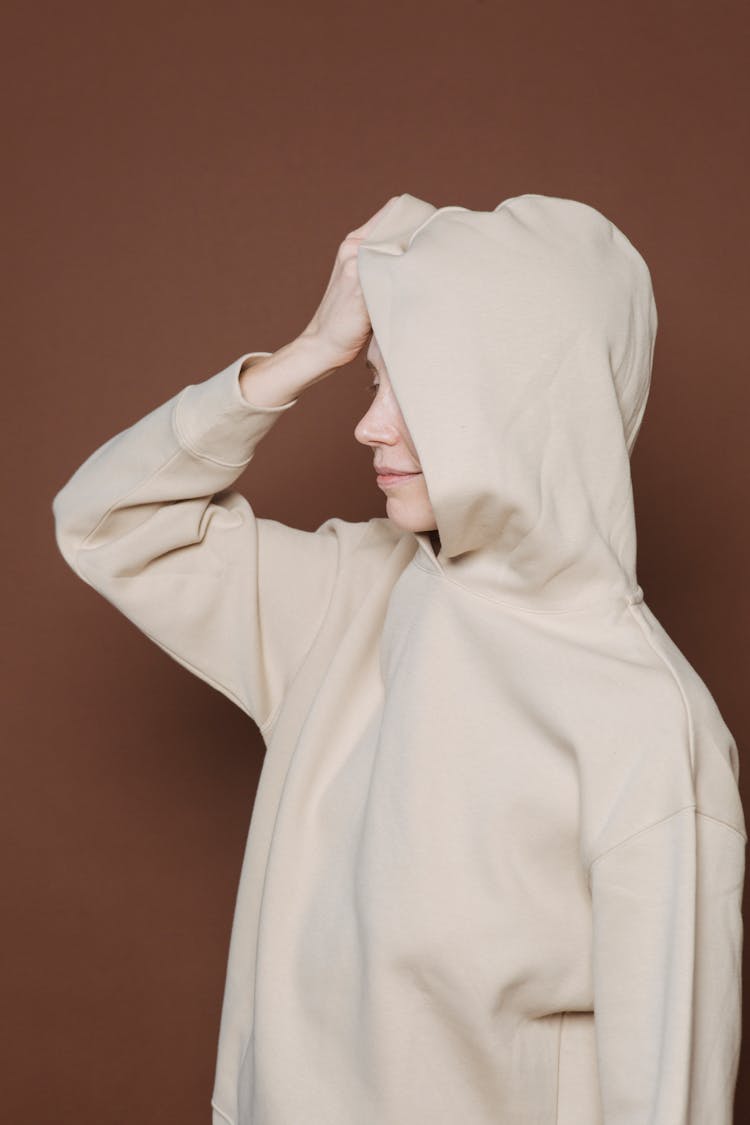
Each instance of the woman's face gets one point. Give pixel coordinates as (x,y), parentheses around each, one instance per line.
(383,428)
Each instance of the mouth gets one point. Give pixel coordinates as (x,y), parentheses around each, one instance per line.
(388,480)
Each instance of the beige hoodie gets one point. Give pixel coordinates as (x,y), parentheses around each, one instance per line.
(494,870)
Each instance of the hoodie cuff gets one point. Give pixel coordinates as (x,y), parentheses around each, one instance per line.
(215,421)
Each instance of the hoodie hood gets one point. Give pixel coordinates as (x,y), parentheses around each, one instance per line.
(519,344)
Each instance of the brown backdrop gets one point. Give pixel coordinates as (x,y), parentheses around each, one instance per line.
(176,180)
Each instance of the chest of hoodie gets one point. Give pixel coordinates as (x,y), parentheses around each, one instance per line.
(432,801)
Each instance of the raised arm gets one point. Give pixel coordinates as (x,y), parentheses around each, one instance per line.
(151,520)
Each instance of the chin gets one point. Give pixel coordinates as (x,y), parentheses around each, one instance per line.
(409,521)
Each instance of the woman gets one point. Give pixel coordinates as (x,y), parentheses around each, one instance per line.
(494,869)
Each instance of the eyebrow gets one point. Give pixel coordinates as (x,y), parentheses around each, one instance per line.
(371,365)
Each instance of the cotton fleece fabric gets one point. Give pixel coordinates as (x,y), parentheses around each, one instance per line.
(494,869)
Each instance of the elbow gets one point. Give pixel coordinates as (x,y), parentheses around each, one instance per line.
(67,535)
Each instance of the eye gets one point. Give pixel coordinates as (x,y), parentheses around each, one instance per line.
(373,388)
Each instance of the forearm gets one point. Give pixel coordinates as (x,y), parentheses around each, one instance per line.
(277,379)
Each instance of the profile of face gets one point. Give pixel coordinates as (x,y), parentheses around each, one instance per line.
(395,459)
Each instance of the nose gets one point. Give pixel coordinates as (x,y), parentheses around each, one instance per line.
(374,428)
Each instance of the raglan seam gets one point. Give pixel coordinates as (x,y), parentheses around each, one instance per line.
(265,728)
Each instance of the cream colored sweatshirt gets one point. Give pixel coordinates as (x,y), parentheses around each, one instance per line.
(494,869)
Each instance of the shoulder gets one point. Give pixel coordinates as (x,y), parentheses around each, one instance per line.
(666,746)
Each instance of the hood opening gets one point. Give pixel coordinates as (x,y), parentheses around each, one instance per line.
(519,343)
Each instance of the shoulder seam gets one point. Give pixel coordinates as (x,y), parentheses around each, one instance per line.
(639,832)
(661,820)
(718,820)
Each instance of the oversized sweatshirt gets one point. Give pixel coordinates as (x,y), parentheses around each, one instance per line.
(494,867)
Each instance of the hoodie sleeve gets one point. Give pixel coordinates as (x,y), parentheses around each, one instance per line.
(667,955)
(150,520)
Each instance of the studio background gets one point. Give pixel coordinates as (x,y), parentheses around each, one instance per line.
(177,178)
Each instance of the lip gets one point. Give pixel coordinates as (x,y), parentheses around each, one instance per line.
(388,479)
